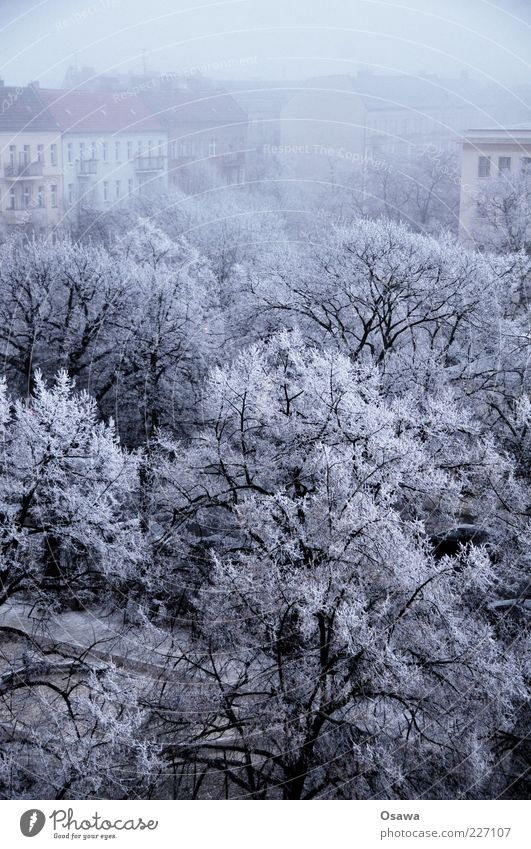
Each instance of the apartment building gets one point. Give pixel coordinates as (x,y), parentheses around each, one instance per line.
(488,154)
(262,101)
(30,163)
(65,150)
(111,148)
(206,130)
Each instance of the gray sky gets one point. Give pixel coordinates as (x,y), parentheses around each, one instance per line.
(266,38)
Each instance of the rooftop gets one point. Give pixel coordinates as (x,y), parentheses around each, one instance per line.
(97,112)
(22,110)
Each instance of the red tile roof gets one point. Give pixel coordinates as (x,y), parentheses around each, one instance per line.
(98,112)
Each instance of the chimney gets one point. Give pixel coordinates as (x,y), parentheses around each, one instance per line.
(34,84)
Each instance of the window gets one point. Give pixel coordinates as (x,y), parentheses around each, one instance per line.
(53,154)
(81,150)
(484,166)
(70,193)
(70,152)
(12,154)
(105,191)
(139,148)
(26,155)
(130,187)
(104,151)
(40,153)
(53,194)
(183,149)
(12,199)
(504,164)
(161,147)
(525,165)
(118,189)
(26,197)
(117,153)
(129,150)
(93,150)
(40,197)
(212,148)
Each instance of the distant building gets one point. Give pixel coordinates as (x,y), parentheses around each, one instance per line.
(333,122)
(263,102)
(488,153)
(30,162)
(206,130)
(111,147)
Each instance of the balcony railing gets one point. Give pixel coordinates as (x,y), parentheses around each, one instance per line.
(149,163)
(24,170)
(86,167)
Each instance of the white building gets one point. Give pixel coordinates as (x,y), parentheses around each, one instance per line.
(111,147)
(30,163)
(488,154)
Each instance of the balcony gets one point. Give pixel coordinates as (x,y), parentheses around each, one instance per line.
(24,170)
(86,167)
(148,164)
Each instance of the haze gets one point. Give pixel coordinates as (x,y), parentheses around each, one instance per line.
(268,39)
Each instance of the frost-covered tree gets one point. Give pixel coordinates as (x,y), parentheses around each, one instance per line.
(337,655)
(78,731)
(375,288)
(136,327)
(69,529)
(502,222)
(59,307)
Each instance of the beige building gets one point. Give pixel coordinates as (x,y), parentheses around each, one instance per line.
(30,163)
(488,154)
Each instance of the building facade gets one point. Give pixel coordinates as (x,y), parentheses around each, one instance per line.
(488,154)
(263,103)
(30,163)
(111,148)
(64,151)
(206,131)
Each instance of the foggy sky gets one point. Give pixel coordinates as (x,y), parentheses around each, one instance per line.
(279,39)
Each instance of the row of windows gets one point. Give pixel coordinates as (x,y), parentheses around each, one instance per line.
(97,149)
(87,150)
(23,157)
(24,198)
(101,149)
(28,201)
(504,165)
(106,192)
(195,148)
